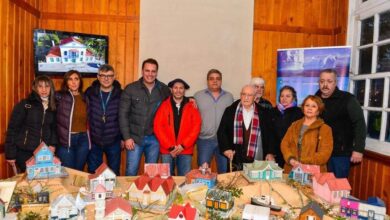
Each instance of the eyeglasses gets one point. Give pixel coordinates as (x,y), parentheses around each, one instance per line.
(106,76)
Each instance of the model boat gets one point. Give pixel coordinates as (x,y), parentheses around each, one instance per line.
(265,201)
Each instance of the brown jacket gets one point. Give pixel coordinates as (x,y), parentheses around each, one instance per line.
(317,144)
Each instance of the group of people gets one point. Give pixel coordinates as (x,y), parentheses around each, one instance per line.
(151,118)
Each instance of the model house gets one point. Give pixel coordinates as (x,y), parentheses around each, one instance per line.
(254,212)
(103,176)
(118,208)
(154,169)
(155,191)
(186,212)
(64,207)
(219,201)
(43,164)
(312,211)
(262,170)
(202,175)
(352,208)
(330,188)
(303,173)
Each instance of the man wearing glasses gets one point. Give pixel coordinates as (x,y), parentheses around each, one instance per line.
(103,98)
(243,134)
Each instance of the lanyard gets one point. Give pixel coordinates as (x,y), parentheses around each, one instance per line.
(104,104)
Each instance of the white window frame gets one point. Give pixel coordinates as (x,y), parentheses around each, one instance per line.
(359,11)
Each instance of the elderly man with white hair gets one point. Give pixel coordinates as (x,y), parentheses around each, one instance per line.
(243,132)
(259,85)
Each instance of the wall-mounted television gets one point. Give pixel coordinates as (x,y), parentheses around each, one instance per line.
(56,52)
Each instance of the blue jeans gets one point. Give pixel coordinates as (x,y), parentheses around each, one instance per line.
(113,155)
(339,166)
(149,146)
(76,155)
(182,161)
(206,149)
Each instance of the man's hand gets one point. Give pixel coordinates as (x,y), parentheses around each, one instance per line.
(229,154)
(356,157)
(122,144)
(270,157)
(294,162)
(193,102)
(178,149)
(129,144)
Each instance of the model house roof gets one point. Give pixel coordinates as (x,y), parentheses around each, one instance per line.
(196,173)
(99,171)
(65,199)
(68,40)
(42,145)
(321,178)
(154,169)
(154,183)
(335,184)
(315,207)
(88,53)
(117,203)
(187,211)
(308,168)
(262,165)
(54,52)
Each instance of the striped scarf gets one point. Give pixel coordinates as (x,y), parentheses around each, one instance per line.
(283,108)
(238,131)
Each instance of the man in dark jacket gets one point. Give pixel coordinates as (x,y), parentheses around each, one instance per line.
(243,132)
(103,98)
(345,116)
(138,105)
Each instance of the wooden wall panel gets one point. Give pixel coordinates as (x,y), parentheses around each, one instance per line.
(371,178)
(292,24)
(117,19)
(18,19)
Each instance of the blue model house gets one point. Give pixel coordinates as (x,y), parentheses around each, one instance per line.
(43,164)
(303,173)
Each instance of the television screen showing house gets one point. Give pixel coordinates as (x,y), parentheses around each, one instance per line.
(58,52)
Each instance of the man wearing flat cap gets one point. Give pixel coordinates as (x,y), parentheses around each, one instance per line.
(177,125)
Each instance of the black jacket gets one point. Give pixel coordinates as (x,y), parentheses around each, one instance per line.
(279,123)
(137,109)
(29,126)
(226,130)
(345,116)
(103,133)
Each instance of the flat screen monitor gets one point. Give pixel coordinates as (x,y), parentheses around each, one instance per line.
(57,52)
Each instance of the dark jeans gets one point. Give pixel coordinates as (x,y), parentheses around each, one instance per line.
(207,148)
(150,147)
(339,166)
(182,162)
(113,155)
(76,155)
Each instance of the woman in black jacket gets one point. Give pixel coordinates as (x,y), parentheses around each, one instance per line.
(33,120)
(282,116)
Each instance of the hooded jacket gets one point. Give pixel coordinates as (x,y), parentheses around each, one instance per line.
(29,126)
(103,133)
(316,147)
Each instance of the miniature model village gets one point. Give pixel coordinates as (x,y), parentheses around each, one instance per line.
(49,191)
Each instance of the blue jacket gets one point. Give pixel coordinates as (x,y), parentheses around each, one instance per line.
(103,133)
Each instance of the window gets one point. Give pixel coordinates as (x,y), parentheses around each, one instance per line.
(369,35)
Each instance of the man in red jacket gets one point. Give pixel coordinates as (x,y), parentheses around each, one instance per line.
(177,125)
